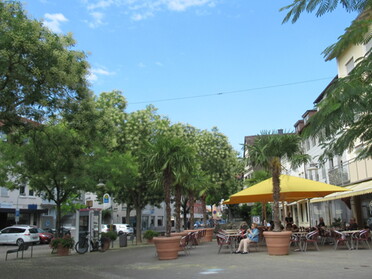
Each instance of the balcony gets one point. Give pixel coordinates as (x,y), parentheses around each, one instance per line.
(339,176)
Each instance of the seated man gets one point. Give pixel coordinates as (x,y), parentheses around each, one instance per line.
(353,225)
(252,236)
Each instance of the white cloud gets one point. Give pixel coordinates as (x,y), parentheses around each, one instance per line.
(53,21)
(100,4)
(141,65)
(95,72)
(182,5)
(97,19)
(159,64)
(143,9)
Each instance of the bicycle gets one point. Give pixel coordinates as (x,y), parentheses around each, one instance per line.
(81,247)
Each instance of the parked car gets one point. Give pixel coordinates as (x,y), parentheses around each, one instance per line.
(19,234)
(44,236)
(106,227)
(63,231)
(123,228)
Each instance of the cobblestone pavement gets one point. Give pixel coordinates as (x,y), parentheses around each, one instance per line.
(140,261)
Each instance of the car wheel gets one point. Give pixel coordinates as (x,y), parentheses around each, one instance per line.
(19,241)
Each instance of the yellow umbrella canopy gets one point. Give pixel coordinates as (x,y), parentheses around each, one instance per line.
(291,189)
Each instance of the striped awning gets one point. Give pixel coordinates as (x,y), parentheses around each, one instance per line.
(354,190)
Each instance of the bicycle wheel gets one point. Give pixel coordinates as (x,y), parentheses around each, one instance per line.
(81,246)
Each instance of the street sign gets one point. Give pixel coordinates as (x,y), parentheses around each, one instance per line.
(106,198)
(17,214)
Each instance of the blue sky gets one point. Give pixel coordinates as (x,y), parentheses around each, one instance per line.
(179,55)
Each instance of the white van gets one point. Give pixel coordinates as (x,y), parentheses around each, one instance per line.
(123,228)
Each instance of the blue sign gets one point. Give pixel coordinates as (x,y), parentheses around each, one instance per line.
(17,212)
(106,198)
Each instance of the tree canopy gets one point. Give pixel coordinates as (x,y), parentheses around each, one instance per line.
(40,72)
(344,116)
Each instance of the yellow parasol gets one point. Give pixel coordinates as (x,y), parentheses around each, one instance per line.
(291,189)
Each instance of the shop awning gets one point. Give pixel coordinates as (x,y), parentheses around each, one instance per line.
(354,190)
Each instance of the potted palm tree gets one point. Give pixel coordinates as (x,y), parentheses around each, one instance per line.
(268,151)
(169,158)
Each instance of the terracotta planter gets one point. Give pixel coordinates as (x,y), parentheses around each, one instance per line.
(106,244)
(150,241)
(277,242)
(209,234)
(167,247)
(63,251)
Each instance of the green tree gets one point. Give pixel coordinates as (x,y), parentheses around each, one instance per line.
(220,165)
(344,115)
(40,73)
(268,151)
(51,160)
(140,128)
(170,158)
(257,177)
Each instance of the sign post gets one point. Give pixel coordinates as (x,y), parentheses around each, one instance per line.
(17,214)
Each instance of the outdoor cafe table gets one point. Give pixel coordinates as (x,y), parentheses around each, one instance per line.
(348,235)
(233,236)
(301,238)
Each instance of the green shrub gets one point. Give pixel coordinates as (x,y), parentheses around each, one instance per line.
(150,234)
(110,234)
(66,242)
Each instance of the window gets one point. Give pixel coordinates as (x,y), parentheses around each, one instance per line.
(316,175)
(30,192)
(324,174)
(331,165)
(350,65)
(22,190)
(160,221)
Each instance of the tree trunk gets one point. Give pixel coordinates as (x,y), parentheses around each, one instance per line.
(178,207)
(58,220)
(185,211)
(167,190)
(127,214)
(276,169)
(264,217)
(138,224)
(192,201)
(204,208)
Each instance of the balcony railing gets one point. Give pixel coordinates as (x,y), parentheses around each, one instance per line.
(339,176)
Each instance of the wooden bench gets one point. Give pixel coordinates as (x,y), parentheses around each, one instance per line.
(21,248)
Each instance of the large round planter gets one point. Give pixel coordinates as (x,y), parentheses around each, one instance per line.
(106,244)
(208,235)
(150,241)
(63,251)
(167,247)
(277,243)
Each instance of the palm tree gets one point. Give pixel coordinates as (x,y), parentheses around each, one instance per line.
(268,151)
(171,159)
